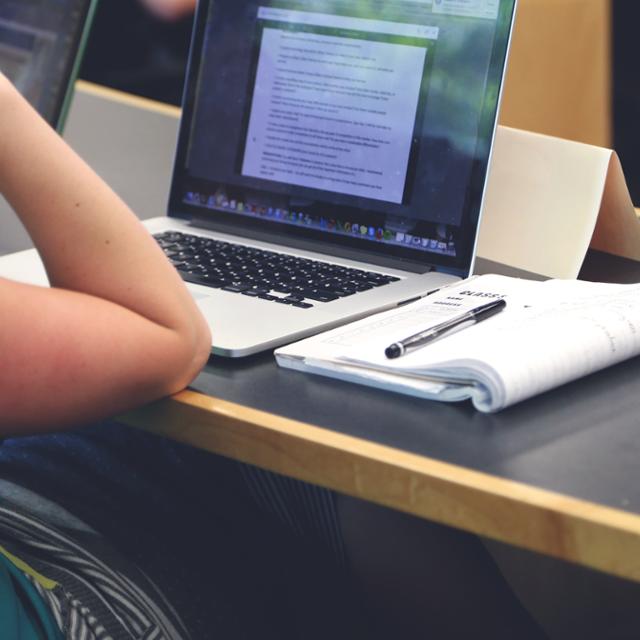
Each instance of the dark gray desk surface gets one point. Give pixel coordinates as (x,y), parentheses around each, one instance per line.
(582,439)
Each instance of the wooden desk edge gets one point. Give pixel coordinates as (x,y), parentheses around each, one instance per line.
(127,98)
(589,534)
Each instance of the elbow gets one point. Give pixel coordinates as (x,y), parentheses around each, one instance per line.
(200,351)
(191,357)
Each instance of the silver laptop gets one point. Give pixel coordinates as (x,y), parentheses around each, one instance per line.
(331,161)
(41,45)
(332,158)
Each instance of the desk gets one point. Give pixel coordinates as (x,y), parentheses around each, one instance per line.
(558,474)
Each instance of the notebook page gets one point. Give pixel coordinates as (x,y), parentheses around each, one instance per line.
(575,337)
(550,333)
(361,345)
(380,330)
(556,332)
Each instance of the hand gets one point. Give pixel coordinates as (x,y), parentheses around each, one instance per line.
(170,10)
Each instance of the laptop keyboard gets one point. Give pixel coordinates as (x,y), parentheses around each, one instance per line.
(278,277)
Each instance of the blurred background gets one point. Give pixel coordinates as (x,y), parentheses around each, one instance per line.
(139,47)
(572,71)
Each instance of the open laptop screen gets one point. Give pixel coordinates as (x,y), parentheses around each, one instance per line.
(364,123)
(40,43)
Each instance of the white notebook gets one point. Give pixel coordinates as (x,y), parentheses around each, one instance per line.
(549,333)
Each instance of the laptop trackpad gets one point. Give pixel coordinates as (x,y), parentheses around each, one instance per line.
(240,322)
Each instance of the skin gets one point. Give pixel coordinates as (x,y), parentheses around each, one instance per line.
(117,328)
(170,9)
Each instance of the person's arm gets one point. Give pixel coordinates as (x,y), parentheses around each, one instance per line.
(117,328)
(170,9)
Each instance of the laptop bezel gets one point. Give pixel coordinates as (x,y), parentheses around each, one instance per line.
(301,237)
(57,111)
(72,69)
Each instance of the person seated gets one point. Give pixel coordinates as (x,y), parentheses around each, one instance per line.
(109,531)
(106,531)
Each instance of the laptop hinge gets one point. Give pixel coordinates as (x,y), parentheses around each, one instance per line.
(304,244)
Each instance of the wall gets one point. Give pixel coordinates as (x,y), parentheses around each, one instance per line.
(559,80)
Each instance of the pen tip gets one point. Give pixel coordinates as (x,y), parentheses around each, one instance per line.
(394,351)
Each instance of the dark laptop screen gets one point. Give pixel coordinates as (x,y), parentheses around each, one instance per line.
(39,47)
(364,123)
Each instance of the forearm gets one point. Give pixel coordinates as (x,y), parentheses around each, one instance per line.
(118,325)
(87,237)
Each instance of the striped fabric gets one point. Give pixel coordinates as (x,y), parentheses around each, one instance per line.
(306,509)
(75,620)
(91,600)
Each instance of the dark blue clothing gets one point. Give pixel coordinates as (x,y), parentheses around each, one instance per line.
(189,520)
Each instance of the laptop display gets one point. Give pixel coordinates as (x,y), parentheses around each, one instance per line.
(41,42)
(362,125)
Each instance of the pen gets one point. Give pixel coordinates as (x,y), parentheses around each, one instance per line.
(462,321)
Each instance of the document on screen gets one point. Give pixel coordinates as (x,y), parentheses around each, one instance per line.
(335,113)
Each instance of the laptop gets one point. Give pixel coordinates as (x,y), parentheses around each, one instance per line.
(332,158)
(41,45)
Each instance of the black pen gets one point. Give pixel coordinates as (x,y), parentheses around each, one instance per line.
(462,321)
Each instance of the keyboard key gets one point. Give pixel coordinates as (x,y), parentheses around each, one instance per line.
(259,273)
(236,288)
(319,296)
(202,279)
